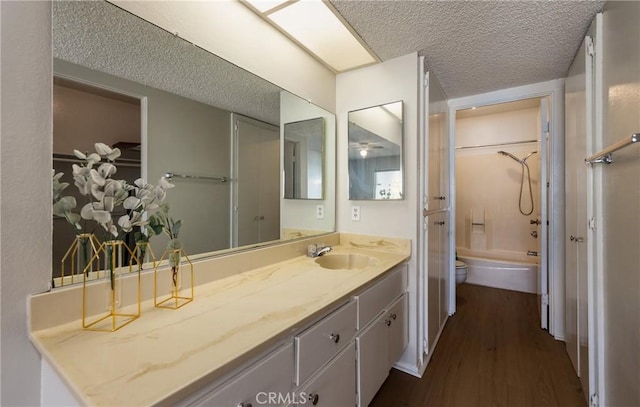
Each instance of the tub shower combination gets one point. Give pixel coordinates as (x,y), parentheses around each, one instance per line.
(506,270)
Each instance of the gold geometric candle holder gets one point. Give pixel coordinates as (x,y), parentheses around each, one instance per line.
(179,282)
(109,297)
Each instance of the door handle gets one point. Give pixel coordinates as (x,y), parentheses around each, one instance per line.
(576,239)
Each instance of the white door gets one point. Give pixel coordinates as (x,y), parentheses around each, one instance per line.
(578,130)
(544,228)
(256,216)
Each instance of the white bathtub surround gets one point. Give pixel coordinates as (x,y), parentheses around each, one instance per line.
(510,271)
(166,354)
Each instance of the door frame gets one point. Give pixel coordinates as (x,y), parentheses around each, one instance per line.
(554,90)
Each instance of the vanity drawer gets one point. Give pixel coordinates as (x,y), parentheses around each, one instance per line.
(271,375)
(335,384)
(372,301)
(318,344)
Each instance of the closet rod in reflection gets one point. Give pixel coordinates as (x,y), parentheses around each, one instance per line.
(170,175)
(497,144)
(605,156)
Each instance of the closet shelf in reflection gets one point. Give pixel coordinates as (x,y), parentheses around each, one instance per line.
(122,162)
(169,175)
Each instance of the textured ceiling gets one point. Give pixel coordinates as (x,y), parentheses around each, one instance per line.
(101,36)
(476,46)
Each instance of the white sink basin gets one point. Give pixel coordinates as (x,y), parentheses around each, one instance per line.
(351,261)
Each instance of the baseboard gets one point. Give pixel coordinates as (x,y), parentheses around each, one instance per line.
(407,368)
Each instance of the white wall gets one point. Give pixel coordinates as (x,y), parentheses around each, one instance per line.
(621,200)
(25,189)
(300,214)
(390,81)
(260,49)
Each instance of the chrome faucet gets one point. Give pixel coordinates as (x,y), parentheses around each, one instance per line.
(317,250)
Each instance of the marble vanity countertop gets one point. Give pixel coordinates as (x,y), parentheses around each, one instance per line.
(166,354)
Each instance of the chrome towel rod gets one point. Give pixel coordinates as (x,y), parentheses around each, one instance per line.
(170,175)
(605,156)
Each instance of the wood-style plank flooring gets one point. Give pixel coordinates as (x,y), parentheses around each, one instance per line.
(492,352)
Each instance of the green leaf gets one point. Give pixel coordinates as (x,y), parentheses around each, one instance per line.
(176,228)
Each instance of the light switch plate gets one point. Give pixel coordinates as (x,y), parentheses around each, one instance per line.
(355,213)
(319,211)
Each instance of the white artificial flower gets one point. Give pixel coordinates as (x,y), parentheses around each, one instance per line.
(87,211)
(106,170)
(125,223)
(131,202)
(96,192)
(103,149)
(114,154)
(97,178)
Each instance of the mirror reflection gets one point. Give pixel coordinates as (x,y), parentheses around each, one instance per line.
(174,108)
(303,159)
(375,152)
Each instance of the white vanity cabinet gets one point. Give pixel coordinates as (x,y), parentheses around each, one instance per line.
(334,385)
(260,384)
(383,337)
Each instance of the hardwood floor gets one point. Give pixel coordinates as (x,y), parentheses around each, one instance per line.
(492,352)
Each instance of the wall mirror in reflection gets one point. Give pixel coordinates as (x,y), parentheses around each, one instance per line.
(375,153)
(303,159)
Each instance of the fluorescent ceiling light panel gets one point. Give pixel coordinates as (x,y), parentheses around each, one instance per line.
(312,24)
(266,5)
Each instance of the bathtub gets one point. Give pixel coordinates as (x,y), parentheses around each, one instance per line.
(517,275)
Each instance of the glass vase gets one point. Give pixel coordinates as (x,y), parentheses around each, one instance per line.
(104,305)
(144,255)
(173,286)
(77,259)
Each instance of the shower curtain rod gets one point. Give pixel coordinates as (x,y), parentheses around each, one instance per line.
(497,144)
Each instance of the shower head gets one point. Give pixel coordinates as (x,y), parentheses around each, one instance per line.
(510,155)
(521,161)
(529,155)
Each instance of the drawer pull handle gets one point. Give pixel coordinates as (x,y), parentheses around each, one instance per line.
(314,398)
(244,405)
(393,316)
(335,338)
(387,322)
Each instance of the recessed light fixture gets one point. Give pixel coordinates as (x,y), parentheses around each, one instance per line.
(316,26)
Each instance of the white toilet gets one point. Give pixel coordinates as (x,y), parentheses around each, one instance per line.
(461,272)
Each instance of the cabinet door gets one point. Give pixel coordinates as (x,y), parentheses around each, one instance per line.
(433,280)
(443,264)
(373,359)
(273,374)
(398,328)
(335,385)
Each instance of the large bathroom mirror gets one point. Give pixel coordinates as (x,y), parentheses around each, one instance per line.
(303,159)
(375,153)
(174,108)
